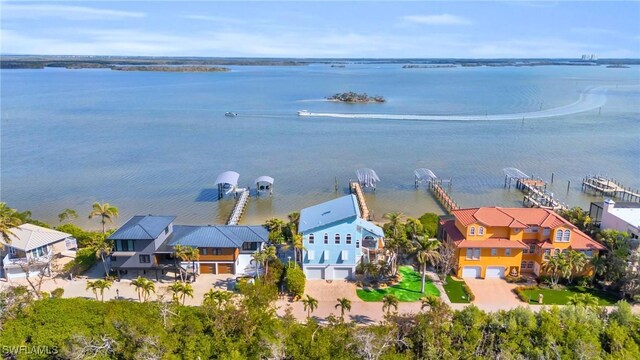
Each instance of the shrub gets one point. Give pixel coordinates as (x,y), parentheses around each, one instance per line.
(583,281)
(515,279)
(520,292)
(85,259)
(430,223)
(295,281)
(468,291)
(57,293)
(275,274)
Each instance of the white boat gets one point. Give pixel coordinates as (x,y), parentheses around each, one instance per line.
(304,113)
(230,114)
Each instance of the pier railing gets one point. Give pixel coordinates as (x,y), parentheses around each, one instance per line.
(442,195)
(356,189)
(239,207)
(609,187)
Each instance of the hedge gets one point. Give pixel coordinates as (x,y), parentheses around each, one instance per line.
(467,290)
(295,281)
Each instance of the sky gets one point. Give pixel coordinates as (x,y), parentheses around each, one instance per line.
(328,29)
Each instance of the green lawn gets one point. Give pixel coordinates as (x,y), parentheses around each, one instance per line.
(454,291)
(560,297)
(406,290)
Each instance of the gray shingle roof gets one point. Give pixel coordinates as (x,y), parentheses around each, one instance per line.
(142,227)
(328,213)
(217,236)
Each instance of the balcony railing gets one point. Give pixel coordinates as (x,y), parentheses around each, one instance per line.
(11,260)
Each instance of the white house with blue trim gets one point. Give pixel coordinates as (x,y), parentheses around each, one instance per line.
(336,239)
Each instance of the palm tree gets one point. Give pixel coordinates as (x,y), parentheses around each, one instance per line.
(8,220)
(294,219)
(389,301)
(258,257)
(310,304)
(577,262)
(394,220)
(217,297)
(414,228)
(555,266)
(275,227)
(269,254)
(105,211)
(139,284)
(426,252)
(103,249)
(144,287)
(176,290)
(192,254)
(343,304)
(187,290)
(67,215)
(182,253)
(99,286)
(429,302)
(575,299)
(599,264)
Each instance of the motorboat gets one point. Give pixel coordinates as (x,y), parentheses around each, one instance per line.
(304,113)
(230,114)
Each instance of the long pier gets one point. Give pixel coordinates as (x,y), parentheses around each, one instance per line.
(239,207)
(356,189)
(442,195)
(609,187)
(535,190)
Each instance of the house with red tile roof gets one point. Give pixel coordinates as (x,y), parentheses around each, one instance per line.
(493,242)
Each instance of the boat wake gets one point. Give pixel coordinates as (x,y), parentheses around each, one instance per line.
(590,99)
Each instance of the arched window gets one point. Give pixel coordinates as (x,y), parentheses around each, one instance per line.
(326,238)
(567,234)
(472,231)
(481,230)
(558,235)
(337,239)
(348,239)
(312,238)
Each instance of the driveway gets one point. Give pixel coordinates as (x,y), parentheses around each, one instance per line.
(494,294)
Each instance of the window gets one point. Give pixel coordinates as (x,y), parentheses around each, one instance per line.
(472,231)
(507,252)
(145,259)
(38,252)
(532,248)
(348,239)
(473,253)
(326,238)
(547,252)
(311,255)
(531,229)
(357,244)
(494,252)
(566,236)
(546,231)
(203,251)
(124,245)
(481,230)
(312,239)
(523,265)
(556,251)
(558,235)
(247,246)
(344,255)
(588,253)
(530,265)
(219,251)
(166,230)
(70,243)
(337,239)
(12,251)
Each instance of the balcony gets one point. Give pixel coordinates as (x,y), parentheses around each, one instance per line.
(13,261)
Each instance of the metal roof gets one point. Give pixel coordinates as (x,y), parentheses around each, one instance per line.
(228,177)
(367,177)
(423,174)
(267,179)
(142,227)
(328,213)
(28,237)
(370,227)
(217,236)
(514,173)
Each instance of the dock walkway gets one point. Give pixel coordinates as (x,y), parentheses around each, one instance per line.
(356,189)
(239,207)
(534,189)
(609,187)
(442,195)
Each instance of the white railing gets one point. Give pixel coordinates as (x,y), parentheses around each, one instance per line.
(17,261)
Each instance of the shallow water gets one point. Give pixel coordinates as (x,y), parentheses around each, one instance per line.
(155,142)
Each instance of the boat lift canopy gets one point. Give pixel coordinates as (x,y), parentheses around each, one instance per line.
(264,183)
(513,173)
(367,177)
(228,177)
(424,175)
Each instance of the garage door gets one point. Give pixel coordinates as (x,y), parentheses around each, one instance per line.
(314,273)
(471,272)
(225,268)
(495,272)
(342,273)
(207,269)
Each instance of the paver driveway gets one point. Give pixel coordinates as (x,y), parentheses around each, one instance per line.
(494,294)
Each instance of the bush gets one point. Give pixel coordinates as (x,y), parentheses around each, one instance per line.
(583,281)
(520,292)
(85,259)
(57,293)
(275,274)
(515,279)
(468,291)
(295,281)
(430,223)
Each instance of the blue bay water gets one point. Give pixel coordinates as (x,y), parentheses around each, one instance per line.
(153,142)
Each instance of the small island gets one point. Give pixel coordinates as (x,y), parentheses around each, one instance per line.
(438,66)
(180,68)
(352,97)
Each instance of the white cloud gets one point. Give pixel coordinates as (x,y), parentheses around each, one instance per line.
(442,19)
(35,11)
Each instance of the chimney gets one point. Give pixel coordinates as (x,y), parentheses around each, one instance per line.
(608,205)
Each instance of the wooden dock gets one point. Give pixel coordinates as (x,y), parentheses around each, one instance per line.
(356,189)
(609,187)
(442,195)
(238,209)
(536,195)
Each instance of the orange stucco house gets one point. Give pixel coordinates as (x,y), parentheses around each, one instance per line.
(493,242)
